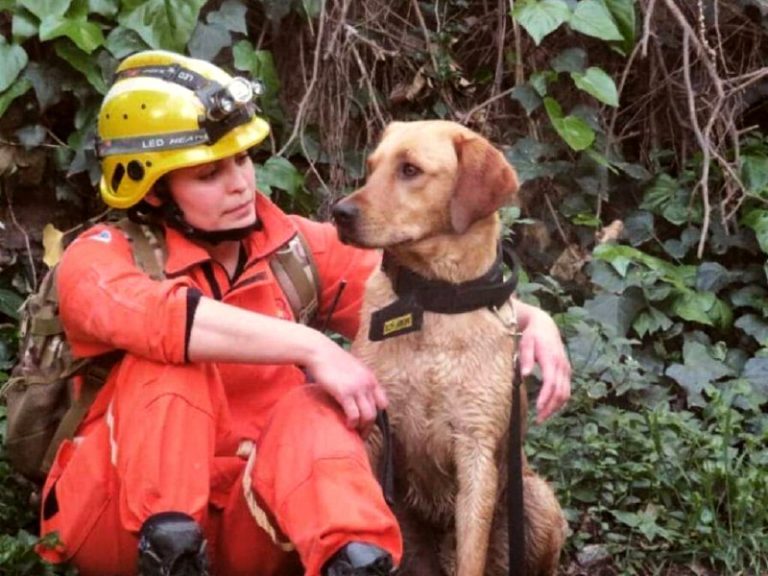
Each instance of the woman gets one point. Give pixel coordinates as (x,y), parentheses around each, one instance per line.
(162,473)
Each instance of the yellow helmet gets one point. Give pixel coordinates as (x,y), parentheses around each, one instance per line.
(167,111)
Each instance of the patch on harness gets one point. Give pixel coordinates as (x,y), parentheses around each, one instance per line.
(400,317)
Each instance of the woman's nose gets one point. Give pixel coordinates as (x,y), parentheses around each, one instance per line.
(238,177)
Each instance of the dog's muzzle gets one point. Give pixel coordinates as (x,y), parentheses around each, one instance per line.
(345,216)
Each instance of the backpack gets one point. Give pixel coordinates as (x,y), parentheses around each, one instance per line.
(49,391)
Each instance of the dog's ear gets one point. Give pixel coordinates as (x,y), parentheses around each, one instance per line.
(485,181)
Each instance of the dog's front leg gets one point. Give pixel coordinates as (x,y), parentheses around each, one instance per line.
(478,478)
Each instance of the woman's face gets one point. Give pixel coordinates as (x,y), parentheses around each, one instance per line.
(218,195)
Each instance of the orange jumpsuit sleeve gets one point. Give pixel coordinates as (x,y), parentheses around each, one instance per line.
(337,262)
(106,303)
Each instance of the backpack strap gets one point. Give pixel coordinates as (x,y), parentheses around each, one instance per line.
(149,254)
(295,269)
(92,379)
(147,245)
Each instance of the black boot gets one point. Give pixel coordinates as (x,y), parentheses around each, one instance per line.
(359,559)
(172,544)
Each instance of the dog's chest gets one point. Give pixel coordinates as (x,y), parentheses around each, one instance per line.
(451,379)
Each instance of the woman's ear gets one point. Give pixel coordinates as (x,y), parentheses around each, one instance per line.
(152,198)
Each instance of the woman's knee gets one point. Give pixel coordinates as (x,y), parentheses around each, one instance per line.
(141,382)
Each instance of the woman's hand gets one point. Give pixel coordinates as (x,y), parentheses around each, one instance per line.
(541,344)
(350,383)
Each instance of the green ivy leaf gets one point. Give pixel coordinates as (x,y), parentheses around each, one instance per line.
(47,8)
(82,63)
(721,314)
(592,17)
(618,258)
(597,83)
(527,97)
(713,277)
(18,89)
(754,170)
(756,371)
(162,24)
(86,35)
(541,18)
(757,220)
(572,129)
(570,60)
(635,171)
(755,327)
(31,135)
(529,157)
(667,197)
(231,15)
(122,42)
(601,160)
(208,40)
(639,227)
(699,370)
(24,25)
(276,10)
(13,59)
(10,302)
(615,312)
(277,172)
(694,306)
(650,321)
(106,8)
(679,248)
(623,12)
(47,81)
(312,8)
(540,81)
(259,63)
(751,296)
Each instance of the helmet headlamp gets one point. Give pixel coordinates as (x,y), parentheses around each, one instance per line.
(237,94)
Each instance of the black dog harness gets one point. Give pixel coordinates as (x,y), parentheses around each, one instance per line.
(416,294)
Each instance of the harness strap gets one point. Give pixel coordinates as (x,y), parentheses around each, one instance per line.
(515,499)
(386,470)
(516,502)
(45,326)
(148,246)
(295,270)
(90,383)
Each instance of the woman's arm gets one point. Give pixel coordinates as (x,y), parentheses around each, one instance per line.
(223,333)
(541,344)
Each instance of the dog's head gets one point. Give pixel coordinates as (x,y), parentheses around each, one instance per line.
(424,179)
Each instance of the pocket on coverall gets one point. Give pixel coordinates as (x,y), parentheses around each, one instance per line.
(81,479)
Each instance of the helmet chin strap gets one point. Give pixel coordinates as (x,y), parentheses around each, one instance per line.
(174,217)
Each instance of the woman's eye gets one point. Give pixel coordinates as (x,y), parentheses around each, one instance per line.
(409,170)
(207,175)
(242,158)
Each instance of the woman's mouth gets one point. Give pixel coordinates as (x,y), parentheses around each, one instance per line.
(240,210)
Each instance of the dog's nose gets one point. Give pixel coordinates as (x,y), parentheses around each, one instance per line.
(345,214)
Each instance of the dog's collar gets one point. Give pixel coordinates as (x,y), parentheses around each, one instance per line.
(415,294)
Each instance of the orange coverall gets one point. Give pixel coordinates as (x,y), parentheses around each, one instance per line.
(163,433)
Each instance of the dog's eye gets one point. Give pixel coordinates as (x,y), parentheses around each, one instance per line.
(408,170)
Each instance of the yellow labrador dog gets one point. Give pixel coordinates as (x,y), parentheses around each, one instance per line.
(430,202)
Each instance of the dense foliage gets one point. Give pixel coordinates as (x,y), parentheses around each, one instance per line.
(638,129)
